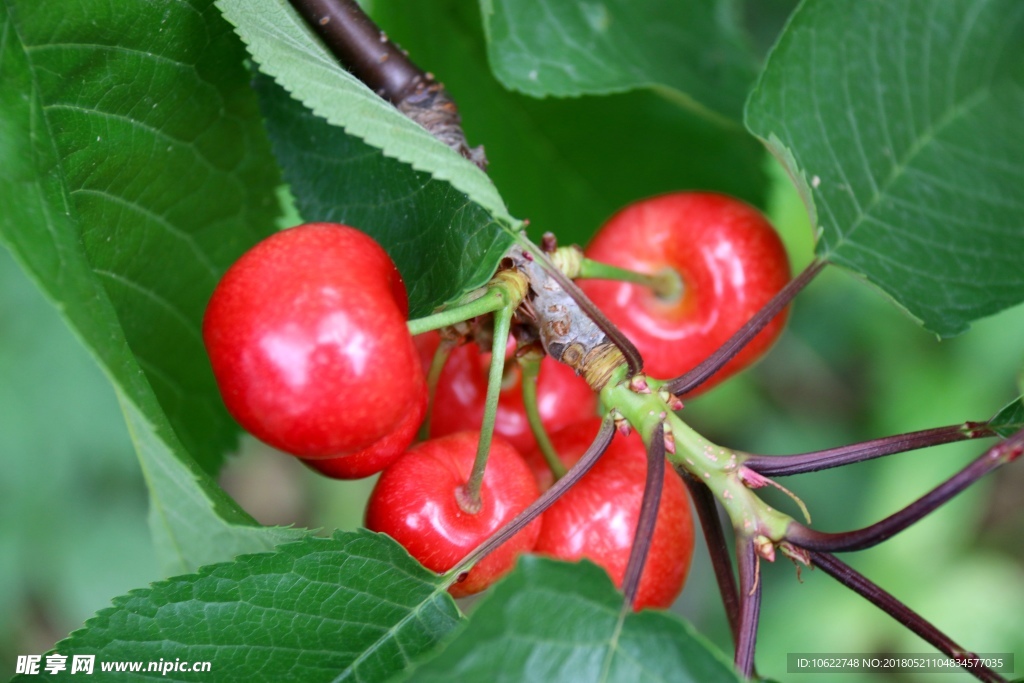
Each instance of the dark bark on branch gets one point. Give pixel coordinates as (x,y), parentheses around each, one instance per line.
(362,48)
(572,330)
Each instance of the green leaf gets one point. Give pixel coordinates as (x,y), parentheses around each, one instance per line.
(904,137)
(568,164)
(123,152)
(355,607)
(691,50)
(159,151)
(285,48)
(1010,419)
(442,242)
(551,621)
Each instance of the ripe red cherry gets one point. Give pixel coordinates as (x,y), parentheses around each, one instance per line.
(415,503)
(596,518)
(378,455)
(307,337)
(562,397)
(729,258)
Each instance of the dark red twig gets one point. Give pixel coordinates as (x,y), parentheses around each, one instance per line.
(871,592)
(786,465)
(714,538)
(713,363)
(366,51)
(750,606)
(546,499)
(1000,454)
(648,516)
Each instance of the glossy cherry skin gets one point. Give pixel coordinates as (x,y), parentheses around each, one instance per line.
(596,518)
(307,338)
(415,503)
(730,260)
(379,454)
(562,397)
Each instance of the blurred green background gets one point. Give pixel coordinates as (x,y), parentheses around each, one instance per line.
(849,367)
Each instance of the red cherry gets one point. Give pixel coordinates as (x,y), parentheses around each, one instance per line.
(415,503)
(307,337)
(378,455)
(562,397)
(731,262)
(596,518)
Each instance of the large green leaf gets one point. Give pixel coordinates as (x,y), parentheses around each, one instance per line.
(551,621)
(900,122)
(285,48)
(162,161)
(354,607)
(692,50)
(442,242)
(123,152)
(568,164)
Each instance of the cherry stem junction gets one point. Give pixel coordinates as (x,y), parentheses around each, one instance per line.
(633,360)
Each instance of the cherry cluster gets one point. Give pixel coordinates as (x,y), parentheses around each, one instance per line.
(309,342)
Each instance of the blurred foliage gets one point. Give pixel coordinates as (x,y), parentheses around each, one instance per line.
(71,494)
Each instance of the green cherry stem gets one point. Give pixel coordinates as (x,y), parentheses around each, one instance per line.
(469,495)
(437,363)
(530,367)
(537,507)
(493,299)
(666,283)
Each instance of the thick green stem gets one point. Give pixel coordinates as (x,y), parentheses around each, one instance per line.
(530,369)
(719,468)
(469,495)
